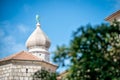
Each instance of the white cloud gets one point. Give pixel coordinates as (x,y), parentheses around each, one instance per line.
(22,28)
(9,37)
(10,46)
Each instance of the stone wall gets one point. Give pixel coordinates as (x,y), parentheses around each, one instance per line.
(5,72)
(23,70)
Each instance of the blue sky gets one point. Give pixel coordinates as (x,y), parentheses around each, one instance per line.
(58,19)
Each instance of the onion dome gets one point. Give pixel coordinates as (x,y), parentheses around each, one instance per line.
(38,38)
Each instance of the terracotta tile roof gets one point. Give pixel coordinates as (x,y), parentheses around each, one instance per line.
(114,15)
(23,55)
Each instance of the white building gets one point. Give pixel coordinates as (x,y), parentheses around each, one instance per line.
(22,65)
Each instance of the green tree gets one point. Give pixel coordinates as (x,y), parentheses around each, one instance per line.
(44,75)
(94,53)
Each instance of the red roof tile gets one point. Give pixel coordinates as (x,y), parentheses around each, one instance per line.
(23,55)
(113,15)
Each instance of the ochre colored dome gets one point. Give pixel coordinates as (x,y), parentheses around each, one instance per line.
(38,39)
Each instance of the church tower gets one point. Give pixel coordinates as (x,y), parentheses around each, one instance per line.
(38,43)
(24,64)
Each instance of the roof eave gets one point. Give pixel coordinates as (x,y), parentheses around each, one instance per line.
(112,15)
(29,60)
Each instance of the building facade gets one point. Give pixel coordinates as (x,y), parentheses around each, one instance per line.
(23,65)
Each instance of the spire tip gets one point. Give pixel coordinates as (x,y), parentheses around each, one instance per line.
(37,18)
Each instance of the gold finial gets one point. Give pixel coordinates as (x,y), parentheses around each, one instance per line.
(37,18)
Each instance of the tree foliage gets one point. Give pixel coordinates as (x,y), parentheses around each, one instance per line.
(44,75)
(94,53)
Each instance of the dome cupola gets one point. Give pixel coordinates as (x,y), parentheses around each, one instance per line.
(38,38)
(38,42)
